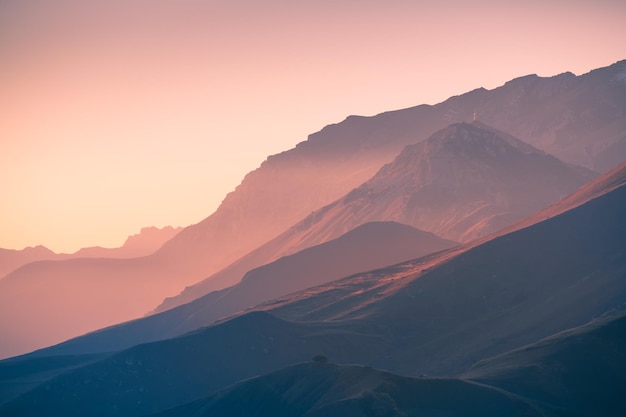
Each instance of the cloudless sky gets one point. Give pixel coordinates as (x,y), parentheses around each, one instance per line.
(119,114)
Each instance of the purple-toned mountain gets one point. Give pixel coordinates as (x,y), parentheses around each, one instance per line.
(370,246)
(11,259)
(466,181)
(579,119)
(148,240)
(144,243)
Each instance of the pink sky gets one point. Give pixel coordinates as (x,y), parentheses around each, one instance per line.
(117,116)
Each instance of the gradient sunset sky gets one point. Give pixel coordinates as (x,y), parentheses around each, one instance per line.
(119,114)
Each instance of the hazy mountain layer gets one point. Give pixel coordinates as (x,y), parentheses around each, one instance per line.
(372,245)
(437,316)
(581,120)
(11,259)
(144,243)
(464,182)
(148,240)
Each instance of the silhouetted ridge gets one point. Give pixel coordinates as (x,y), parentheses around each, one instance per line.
(328,390)
(581,371)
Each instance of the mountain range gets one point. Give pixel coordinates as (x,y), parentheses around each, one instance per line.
(148,240)
(443,315)
(369,246)
(561,114)
(330,282)
(579,119)
(465,181)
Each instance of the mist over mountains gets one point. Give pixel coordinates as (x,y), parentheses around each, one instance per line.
(370,246)
(148,240)
(291,185)
(463,182)
(345,248)
(437,315)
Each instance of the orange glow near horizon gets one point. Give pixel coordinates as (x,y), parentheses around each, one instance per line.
(115,116)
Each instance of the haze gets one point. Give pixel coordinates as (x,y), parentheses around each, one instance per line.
(117,116)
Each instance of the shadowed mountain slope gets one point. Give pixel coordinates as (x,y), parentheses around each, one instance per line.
(579,114)
(581,371)
(18,375)
(370,246)
(322,389)
(437,315)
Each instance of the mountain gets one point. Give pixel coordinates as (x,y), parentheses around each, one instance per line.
(324,389)
(11,259)
(370,246)
(20,376)
(612,180)
(48,300)
(589,111)
(580,371)
(437,315)
(463,182)
(579,119)
(148,240)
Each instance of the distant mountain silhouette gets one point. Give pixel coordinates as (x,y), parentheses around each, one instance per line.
(11,259)
(465,181)
(144,243)
(437,315)
(148,240)
(579,119)
(370,246)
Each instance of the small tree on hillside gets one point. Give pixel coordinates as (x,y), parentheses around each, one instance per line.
(320,359)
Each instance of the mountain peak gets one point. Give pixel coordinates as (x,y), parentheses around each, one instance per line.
(474,140)
(482,178)
(524,79)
